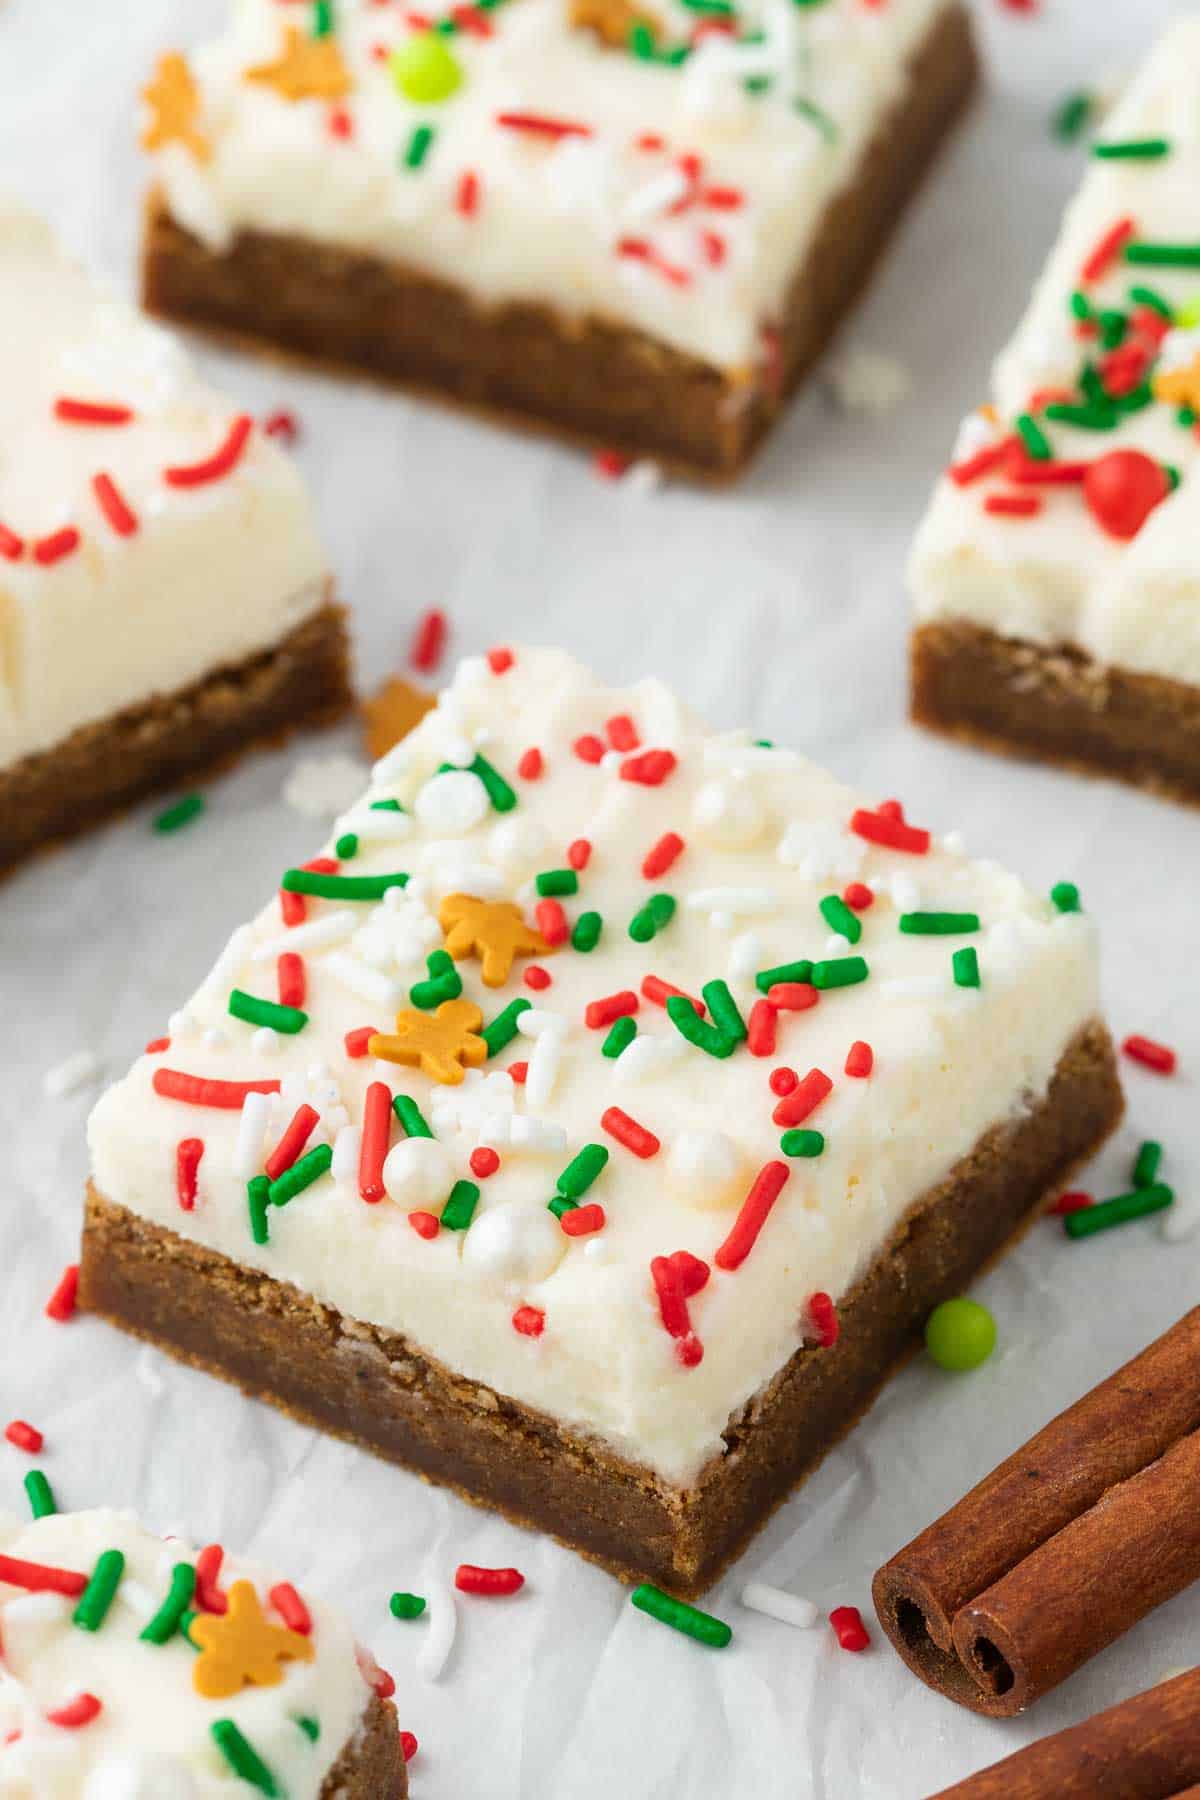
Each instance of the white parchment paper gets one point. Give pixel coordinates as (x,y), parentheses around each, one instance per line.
(781,604)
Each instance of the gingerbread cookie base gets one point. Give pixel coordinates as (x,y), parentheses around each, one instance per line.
(589,381)
(372,1766)
(379,1391)
(1055,703)
(107,766)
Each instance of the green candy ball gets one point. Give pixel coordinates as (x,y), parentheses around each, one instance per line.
(960,1334)
(425,70)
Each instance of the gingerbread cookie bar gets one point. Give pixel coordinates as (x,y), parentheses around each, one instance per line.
(1056,582)
(163,598)
(632,226)
(637,1094)
(136,1666)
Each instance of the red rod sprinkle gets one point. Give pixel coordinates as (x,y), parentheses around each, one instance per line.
(518,1072)
(91,412)
(80,1711)
(156,1045)
(23,1436)
(210,1596)
(792,996)
(52,549)
(621,732)
(541,125)
(199,1090)
(552,921)
(114,506)
(672,1300)
(356,1041)
(655,989)
(425,1224)
(290,975)
(581,1221)
(600,1013)
(61,1303)
(341,125)
(221,463)
(12,548)
(627,1131)
(783,1081)
(1013,506)
(982,463)
(824,1318)
(500,660)
(532,764)
(588,748)
(1159,1057)
(537,978)
(1072,1202)
(376,1131)
(667,851)
(858,896)
(466,195)
(292,1142)
(40,1578)
(768,1185)
(611,464)
(530,1321)
(408,1746)
(651,768)
(860,1060)
(1106,251)
(484,1162)
(693,1272)
(804,1099)
(282,424)
(470,1579)
(291,1608)
(848,1627)
(761,1028)
(1028,473)
(579,853)
(292,908)
(429,641)
(890,831)
(187,1166)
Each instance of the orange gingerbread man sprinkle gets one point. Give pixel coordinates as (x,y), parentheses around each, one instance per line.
(443,1044)
(493,930)
(392,713)
(1179,387)
(174,102)
(308,68)
(239,1648)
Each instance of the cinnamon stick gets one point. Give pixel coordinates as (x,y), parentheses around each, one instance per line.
(1064,1546)
(1147,1748)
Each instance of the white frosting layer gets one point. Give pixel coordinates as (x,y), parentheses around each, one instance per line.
(549,215)
(211,574)
(766,839)
(151,1739)
(1058,577)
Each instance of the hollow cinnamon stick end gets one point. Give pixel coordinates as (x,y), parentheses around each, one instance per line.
(919,1631)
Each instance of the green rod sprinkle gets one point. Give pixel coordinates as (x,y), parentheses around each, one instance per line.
(41,1499)
(838,916)
(165,1622)
(406,1606)
(697,1031)
(1133,149)
(301,1175)
(1087,418)
(802,1142)
(840,971)
(418,146)
(938,924)
(97,1596)
(322,18)
(1065,896)
(818,117)
(553,883)
(1147,296)
(1163,256)
(347,846)
(689,1619)
(459,1209)
(258,1198)
(619,1038)
(586,934)
(560,1205)
(1145,1169)
(724,1009)
(499,793)
(182,813)
(340,887)
(310,1727)
(1071,116)
(243,1759)
(444,983)
(793,971)
(412,1119)
(1036,443)
(1118,1211)
(650,919)
(581,1171)
(254,1011)
(386,806)
(965,963)
(503,1028)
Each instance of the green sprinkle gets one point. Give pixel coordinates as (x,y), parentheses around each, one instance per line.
(1080,305)
(340,887)
(301,1175)
(182,813)
(1145,1169)
(444,983)
(322,18)
(243,1759)
(406,1606)
(556,882)
(1065,896)
(309,1727)
(1172,474)
(586,934)
(499,793)
(165,1622)
(97,1596)
(459,1209)
(965,963)
(839,918)
(724,1009)
(619,1038)
(680,1617)
(386,806)
(1036,443)
(347,846)
(840,971)
(424,71)
(1133,149)
(1145,296)
(581,1171)
(258,1198)
(650,919)
(802,1143)
(938,924)
(503,1028)
(818,117)
(560,1205)
(697,1031)
(1186,417)
(793,971)
(41,1497)
(1071,116)
(1119,1210)
(412,1119)
(254,1011)
(1113,326)
(1161,256)
(1087,418)
(185,1628)
(641,42)
(960,1334)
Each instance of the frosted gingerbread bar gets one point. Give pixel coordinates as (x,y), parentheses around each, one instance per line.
(163,598)
(636,1094)
(632,225)
(1056,576)
(137,1668)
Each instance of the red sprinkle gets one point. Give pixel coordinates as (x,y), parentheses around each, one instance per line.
(1027,473)
(860,1060)
(579,853)
(588,748)
(290,975)
(541,125)
(518,1071)
(858,896)
(768,1185)
(670,1286)
(659,992)
(12,547)
(408,1746)
(80,1711)
(761,1029)
(61,1304)
(1076,1201)
(156,1045)
(783,1081)
(187,1164)
(292,1142)
(531,765)
(292,908)
(804,1099)
(40,1578)
(425,1224)
(376,1132)
(91,412)
(291,1608)
(356,1041)
(210,1595)
(429,642)
(713,246)
(537,978)
(377,1679)
(114,506)
(693,1272)
(611,464)
(1103,254)
(466,197)
(1013,506)
(530,1321)
(581,1221)
(52,549)
(723,199)
(470,1579)
(824,1318)
(1144,1050)
(282,424)
(628,1132)
(552,921)
(341,125)
(599,1013)
(982,463)
(222,462)
(651,768)
(669,849)
(198,1090)
(500,661)
(484,1161)
(792,996)
(621,732)
(848,1627)
(23,1436)
(889,830)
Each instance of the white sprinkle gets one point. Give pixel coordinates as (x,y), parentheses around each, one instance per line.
(214,1038)
(656,196)
(789,1609)
(745,956)
(265,1041)
(369,984)
(140,1601)
(906,893)
(453,802)
(954,843)
(544,1065)
(731,900)
(642,479)
(915,987)
(535,1021)
(252,1126)
(443,1624)
(313,934)
(72,1073)
(647,1056)
(346,1146)
(867,381)
(537,1134)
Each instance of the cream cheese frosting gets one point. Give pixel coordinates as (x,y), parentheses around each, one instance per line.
(104,1714)
(675,193)
(118,579)
(533,786)
(1113,316)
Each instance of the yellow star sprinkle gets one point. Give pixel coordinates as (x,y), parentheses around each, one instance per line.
(239,1648)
